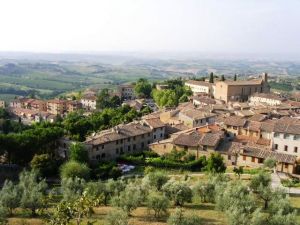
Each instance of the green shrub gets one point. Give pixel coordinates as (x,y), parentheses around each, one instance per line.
(75,169)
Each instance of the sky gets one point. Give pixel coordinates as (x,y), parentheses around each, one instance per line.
(213,26)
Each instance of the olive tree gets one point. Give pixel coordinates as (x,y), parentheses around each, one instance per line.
(96,192)
(10,196)
(157,202)
(180,218)
(32,191)
(129,199)
(157,179)
(72,188)
(178,191)
(205,190)
(3,215)
(117,217)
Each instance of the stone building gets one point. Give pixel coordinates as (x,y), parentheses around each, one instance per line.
(126,91)
(129,138)
(240,90)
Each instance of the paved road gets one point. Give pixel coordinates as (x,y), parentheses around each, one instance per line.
(276,177)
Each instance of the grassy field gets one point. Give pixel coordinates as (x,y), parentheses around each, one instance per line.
(141,216)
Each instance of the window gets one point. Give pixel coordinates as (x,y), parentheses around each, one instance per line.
(276,146)
(165,146)
(234,127)
(252,159)
(143,135)
(154,129)
(244,157)
(186,148)
(286,136)
(286,165)
(154,136)
(229,157)
(121,141)
(204,147)
(128,139)
(102,146)
(121,150)
(134,147)
(128,148)
(296,149)
(285,148)
(142,144)
(117,151)
(161,135)
(103,155)
(260,160)
(134,138)
(276,134)
(148,134)
(296,137)
(117,142)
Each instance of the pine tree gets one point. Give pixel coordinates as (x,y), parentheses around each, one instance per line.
(211,77)
(235,77)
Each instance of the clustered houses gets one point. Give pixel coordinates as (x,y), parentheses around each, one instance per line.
(128,138)
(35,110)
(197,141)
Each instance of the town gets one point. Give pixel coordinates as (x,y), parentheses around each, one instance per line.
(146,112)
(238,125)
(240,119)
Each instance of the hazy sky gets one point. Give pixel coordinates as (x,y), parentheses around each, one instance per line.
(228,26)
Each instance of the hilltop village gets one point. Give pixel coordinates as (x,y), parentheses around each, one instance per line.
(239,119)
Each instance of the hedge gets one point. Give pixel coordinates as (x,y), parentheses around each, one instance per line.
(142,159)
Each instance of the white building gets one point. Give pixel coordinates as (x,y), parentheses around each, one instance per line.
(198,87)
(267,98)
(286,136)
(89,102)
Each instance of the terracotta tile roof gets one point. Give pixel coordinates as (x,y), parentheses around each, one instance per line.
(258,117)
(118,132)
(205,100)
(231,148)
(263,154)
(245,113)
(235,121)
(287,128)
(268,125)
(253,126)
(194,139)
(154,123)
(197,114)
